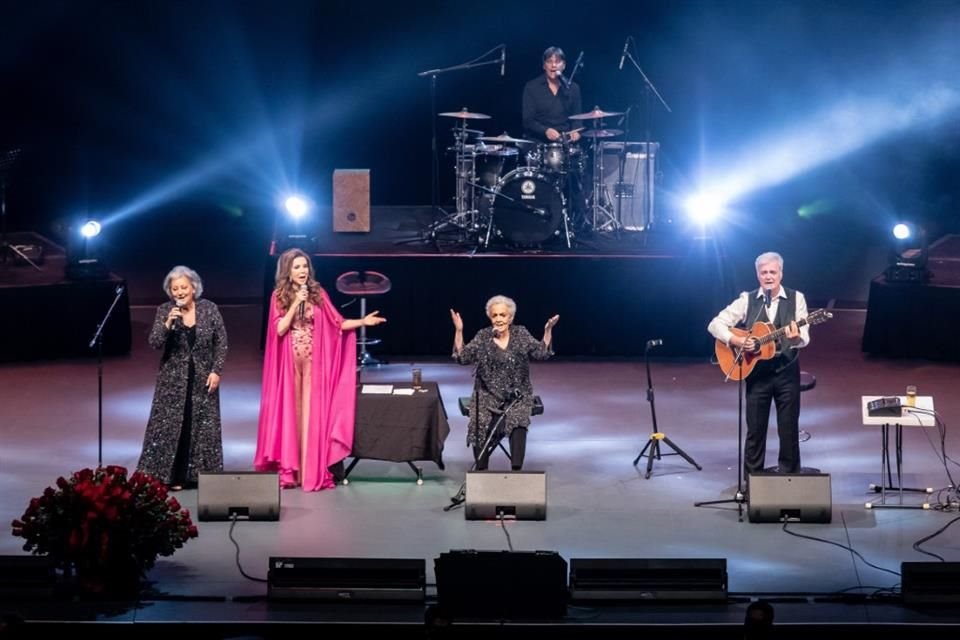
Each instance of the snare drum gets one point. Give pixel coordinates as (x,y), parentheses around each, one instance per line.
(555,157)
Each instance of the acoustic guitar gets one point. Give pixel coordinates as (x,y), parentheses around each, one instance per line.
(766,337)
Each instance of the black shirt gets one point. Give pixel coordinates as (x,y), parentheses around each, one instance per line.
(542,110)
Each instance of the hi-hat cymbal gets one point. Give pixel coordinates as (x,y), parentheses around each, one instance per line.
(596,114)
(602,133)
(464,114)
(504,138)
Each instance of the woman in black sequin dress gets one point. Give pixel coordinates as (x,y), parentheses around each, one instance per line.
(183,436)
(502,354)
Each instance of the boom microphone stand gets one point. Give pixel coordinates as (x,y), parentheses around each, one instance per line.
(740,496)
(494,435)
(648,89)
(97,340)
(653,444)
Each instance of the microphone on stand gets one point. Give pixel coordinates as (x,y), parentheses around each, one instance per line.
(626,45)
(303,287)
(654,343)
(767,297)
(563,80)
(503,60)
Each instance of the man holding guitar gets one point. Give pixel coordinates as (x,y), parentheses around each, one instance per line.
(759,334)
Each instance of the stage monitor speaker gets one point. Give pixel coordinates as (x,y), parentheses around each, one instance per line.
(655,579)
(501,584)
(347,579)
(26,577)
(351,200)
(930,583)
(635,215)
(795,497)
(249,494)
(518,495)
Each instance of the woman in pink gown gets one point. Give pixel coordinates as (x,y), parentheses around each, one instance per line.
(307,402)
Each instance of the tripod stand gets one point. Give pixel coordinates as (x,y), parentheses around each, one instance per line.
(97,340)
(740,496)
(653,444)
(494,436)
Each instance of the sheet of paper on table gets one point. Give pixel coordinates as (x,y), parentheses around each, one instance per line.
(377,388)
(404,392)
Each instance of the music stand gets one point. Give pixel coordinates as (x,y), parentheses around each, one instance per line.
(494,436)
(653,444)
(7,159)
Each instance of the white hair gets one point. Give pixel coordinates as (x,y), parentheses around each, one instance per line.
(769,256)
(511,305)
(181,271)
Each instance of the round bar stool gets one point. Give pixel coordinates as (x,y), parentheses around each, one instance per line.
(363,284)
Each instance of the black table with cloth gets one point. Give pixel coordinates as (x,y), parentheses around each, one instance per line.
(400,428)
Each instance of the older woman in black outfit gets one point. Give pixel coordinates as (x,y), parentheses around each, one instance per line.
(502,354)
(183,435)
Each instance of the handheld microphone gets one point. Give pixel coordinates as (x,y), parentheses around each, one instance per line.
(303,287)
(768,297)
(503,61)
(623,56)
(654,343)
(178,321)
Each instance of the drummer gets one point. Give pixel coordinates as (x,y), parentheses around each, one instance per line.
(549,100)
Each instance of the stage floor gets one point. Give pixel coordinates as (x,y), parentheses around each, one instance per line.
(599,505)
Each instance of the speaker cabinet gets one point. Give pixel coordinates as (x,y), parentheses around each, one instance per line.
(249,494)
(347,579)
(795,497)
(518,495)
(501,584)
(636,579)
(351,200)
(633,196)
(929,583)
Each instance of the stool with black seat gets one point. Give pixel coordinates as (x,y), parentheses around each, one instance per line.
(361,285)
(465,412)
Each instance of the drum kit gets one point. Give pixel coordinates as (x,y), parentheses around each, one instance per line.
(522,193)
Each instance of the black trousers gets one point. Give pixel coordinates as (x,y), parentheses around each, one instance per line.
(774,381)
(518,450)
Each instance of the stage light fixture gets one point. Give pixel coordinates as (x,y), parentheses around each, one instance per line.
(83,263)
(704,208)
(290,223)
(296,206)
(908,262)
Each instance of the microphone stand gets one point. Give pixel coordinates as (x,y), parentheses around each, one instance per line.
(653,444)
(432,74)
(491,442)
(649,89)
(97,340)
(739,497)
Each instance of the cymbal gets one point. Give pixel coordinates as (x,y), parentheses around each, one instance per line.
(602,133)
(504,138)
(464,114)
(596,114)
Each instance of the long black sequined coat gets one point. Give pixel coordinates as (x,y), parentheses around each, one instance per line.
(169,399)
(499,374)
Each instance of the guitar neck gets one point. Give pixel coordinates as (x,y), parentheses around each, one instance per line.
(779,333)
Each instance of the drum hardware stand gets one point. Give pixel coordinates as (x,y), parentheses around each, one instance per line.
(432,74)
(7,159)
(603,218)
(648,89)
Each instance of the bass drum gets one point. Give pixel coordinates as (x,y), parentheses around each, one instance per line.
(528,207)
